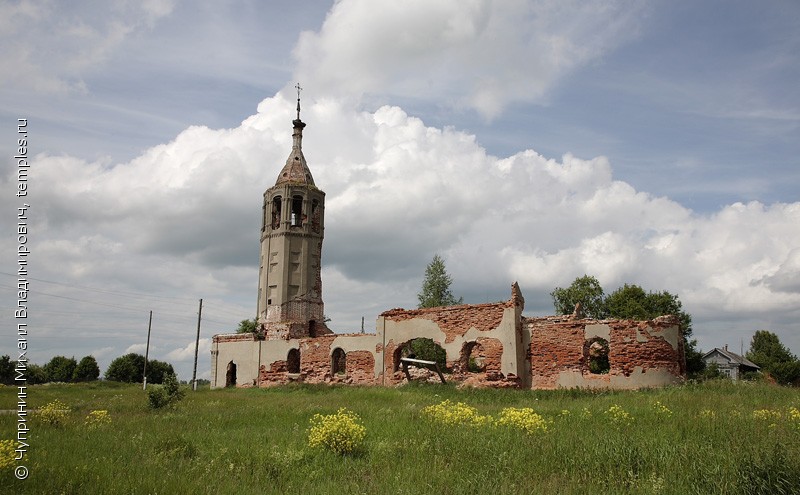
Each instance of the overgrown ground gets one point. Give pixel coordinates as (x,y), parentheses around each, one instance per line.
(716,437)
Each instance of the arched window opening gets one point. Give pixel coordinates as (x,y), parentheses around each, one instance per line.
(338,361)
(293,361)
(297,211)
(312,328)
(596,353)
(315,216)
(421,348)
(276,212)
(230,375)
(264,217)
(473,358)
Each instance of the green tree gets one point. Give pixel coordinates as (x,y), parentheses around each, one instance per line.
(633,303)
(248,326)
(436,286)
(128,368)
(767,351)
(35,374)
(60,369)
(585,290)
(158,370)
(7,374)
(87,370)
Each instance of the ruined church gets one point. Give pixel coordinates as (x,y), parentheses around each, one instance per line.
(485,344)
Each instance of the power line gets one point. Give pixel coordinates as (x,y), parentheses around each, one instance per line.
(104,291)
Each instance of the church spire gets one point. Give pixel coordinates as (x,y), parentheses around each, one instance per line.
(298,88)
(296,169)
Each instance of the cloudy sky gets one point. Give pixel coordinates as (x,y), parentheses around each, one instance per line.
(653,143)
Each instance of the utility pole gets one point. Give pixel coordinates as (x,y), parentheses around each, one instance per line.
(196,347)
(147,352)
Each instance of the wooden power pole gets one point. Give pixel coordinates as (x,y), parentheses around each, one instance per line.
(147,352)
(196,347)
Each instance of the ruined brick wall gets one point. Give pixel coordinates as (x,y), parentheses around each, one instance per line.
(488,332)
(360,367)
(640,353)
(316,360)
(454,321)
(642,344)
(555,347)
(507,350)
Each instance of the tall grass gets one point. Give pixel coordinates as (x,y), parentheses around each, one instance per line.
(690,439)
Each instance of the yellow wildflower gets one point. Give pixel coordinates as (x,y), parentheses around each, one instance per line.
(341,432)
(523,418)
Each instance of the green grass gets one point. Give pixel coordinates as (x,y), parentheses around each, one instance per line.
(255,441)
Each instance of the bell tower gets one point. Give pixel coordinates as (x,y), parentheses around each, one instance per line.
(292,226)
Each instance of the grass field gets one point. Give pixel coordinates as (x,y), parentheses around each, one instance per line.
(716,437)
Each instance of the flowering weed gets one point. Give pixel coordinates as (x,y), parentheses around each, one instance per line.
(54,413)
(766,415)
(459,413)
(618,415)
(661,409)
(7,453)
(794,417)
(708,414)
(341,432)
(523,418)
(96,419)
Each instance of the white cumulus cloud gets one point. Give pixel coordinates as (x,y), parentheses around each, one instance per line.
(182,219)
(480,54)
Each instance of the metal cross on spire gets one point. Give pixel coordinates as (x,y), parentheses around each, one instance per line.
(298,88)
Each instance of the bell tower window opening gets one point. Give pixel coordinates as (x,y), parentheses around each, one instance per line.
(276,212)
(315,220)
(297,211)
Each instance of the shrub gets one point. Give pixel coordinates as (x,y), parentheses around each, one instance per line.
(54,413)
(157,397)
(7,454)
(167,394)
(341,432)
